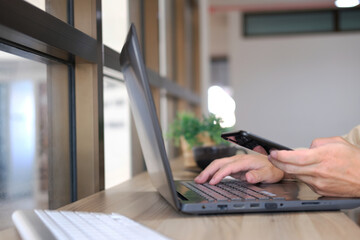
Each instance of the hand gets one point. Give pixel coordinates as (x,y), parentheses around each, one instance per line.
(331,167)
(249,167)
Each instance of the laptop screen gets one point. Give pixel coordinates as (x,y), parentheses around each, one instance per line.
(146,121)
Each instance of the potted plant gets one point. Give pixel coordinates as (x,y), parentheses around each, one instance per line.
(200,139)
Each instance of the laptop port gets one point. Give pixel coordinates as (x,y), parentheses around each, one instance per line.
(222,207)
(240,205)
(270,206)
(310,203)
(254,205)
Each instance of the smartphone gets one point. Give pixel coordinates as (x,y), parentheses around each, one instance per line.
(249,141)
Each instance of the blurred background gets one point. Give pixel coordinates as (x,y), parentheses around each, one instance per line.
(291,66)
(286,70)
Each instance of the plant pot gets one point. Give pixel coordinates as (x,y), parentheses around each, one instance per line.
(204,155)
(188,153)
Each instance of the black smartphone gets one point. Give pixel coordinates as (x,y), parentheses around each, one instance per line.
(249,140)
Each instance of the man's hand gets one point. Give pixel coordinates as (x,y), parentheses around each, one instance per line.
(249,167)
(331,167)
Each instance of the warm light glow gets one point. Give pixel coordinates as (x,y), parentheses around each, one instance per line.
(222,105)
(346,3)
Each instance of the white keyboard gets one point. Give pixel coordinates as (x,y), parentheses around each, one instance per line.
(80,225)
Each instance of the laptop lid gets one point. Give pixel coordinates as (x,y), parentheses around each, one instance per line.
(146,120)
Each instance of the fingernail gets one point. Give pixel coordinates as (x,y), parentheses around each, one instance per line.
(273,154)
(212,181)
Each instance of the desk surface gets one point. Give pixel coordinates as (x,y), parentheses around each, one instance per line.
(128,199)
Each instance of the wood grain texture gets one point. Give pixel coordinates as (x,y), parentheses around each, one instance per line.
(129,199)
(156,213)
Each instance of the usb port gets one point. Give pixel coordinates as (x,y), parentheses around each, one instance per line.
(222,207)
(254,205)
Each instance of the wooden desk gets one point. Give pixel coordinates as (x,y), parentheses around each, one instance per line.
(128,199)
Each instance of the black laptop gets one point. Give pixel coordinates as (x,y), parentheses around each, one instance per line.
(229,196)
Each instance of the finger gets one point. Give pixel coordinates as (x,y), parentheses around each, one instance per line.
(288,168)
(293,169)
(300,157)
(214,166)
(245,164)
(260,149)
(264,175)
(240,175)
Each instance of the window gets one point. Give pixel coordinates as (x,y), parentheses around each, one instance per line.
(69,121)
(220,71)
(116,132)
(220,89)
(117,128)
(49,125)
(349,19)
(37,3)
(57,8)
(115,23)
(23,135)
(262,24)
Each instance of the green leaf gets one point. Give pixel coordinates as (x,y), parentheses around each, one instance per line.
(189,126)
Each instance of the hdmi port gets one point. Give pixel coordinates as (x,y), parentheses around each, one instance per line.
(239,205)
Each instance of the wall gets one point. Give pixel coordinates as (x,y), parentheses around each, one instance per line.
(219,30)
(294,88)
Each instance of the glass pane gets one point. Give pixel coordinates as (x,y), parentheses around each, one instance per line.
(117,132)
(349,19)
(115,23)
(284,23)
(57,8)
(23,136)
(37,3)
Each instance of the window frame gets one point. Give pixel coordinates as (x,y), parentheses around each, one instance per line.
(30,32)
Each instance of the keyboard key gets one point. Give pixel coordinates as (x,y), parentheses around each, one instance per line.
(202,194)
(241,194)
(223,192)
(231,190)
(248,191)
(85,225)
(210,192)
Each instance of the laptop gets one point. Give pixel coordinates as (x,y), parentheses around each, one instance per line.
(229,196)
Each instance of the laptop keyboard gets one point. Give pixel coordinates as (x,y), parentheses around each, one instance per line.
(231,191)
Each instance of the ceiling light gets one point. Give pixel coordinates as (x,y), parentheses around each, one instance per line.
(346,3)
